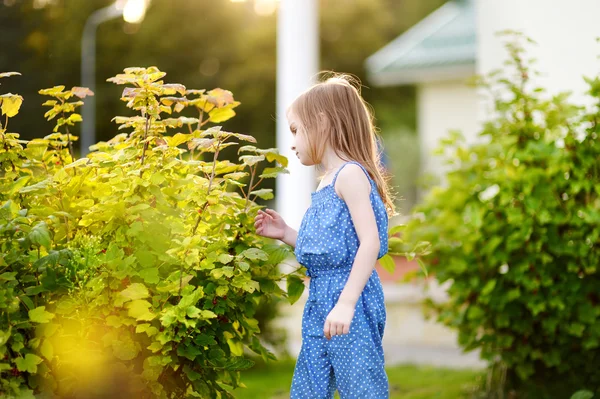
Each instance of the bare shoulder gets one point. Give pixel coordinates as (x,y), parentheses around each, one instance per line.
(352,182)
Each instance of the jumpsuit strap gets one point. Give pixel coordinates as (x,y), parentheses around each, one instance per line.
(356,163)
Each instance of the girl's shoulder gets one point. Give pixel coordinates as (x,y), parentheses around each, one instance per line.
(352,178)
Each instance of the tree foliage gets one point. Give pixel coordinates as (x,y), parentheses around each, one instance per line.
(516,230)
(136,270)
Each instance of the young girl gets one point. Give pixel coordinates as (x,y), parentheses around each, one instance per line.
(342,234)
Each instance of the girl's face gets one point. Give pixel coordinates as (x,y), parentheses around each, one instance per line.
(300,143)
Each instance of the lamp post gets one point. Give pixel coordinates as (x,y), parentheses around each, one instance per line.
(132,11)
(297,66)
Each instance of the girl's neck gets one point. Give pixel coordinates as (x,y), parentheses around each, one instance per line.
(331,162)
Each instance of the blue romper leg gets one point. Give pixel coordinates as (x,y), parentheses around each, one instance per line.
(353,363)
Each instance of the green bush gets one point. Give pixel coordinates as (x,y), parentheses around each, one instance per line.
(516,230)
(134,271)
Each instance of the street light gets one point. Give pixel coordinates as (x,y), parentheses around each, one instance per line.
(261,7)
(132,11)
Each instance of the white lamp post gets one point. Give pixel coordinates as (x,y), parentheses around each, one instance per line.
(132,11)
(297,66)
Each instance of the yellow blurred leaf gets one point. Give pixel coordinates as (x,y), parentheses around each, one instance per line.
(81,92)
(219,115)
(11,104)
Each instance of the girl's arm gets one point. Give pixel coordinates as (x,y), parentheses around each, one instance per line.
(290,236)
(354,188)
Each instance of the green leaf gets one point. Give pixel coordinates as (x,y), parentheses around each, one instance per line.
(178,139)
(39,315)
(273,172)
(387,262)
(273,156)
(40,235)
(204,340)
(125,348)
(155,346)
(422,266)
(251,286)
(265,193)
(207,314)
(582,395)
(236,347)
(216,354)
(247,148)
(192,375)
(47,350)
(188,351)
(150,275)
(277,253)
(238,364)
(139,310)
(251,160)
(8,276)
(396,229)
(28,363)
(295,288)
(489,287)
(225,258)
(193,312)
(135,291)
(255,254)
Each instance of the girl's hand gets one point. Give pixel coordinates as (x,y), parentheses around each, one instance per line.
(339,319)
(270,224)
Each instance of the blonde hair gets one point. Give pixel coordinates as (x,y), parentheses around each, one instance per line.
(333,111)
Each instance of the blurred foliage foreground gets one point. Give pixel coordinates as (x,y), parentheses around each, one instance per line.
(133,272)
(516,230)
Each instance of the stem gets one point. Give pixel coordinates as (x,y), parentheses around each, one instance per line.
(210,182)
(257,184)
(201,116)
(192,150)
(145,136)
(163,304)
(250,186)
(180,280)
(70,144)
(19,298)
(290,273)
(66,219)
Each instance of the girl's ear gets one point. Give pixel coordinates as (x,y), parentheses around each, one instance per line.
(323,121)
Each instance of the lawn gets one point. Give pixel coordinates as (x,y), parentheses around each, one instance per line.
(406,382)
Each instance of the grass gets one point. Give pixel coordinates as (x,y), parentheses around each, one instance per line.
(407,382)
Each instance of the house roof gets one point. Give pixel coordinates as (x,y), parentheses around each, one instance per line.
(440,47)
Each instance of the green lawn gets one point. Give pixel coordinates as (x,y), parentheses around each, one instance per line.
(406,382)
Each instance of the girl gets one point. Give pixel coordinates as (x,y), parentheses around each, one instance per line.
(341,236)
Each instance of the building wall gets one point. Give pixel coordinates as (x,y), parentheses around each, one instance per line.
(442,107)
(565,32)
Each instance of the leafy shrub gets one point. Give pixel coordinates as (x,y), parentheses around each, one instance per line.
(516,230)
(134,271)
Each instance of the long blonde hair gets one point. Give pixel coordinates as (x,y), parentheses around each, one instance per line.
(333,111)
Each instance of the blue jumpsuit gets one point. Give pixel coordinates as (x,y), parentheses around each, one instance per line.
(326,245)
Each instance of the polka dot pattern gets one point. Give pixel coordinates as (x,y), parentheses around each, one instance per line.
(326,245)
